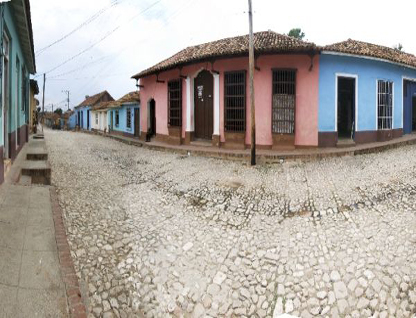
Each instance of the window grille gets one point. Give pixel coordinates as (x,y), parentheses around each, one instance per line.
(235,101)
(385,104)
(175,102)
(128,124)
(284,101)
(96,118)
(117,118)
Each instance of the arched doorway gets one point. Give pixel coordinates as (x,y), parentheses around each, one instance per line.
(204,113)
(151,118)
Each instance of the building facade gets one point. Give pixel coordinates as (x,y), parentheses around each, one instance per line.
(17,62)
(342,94)
(123,115)
(202,93)
(83,110)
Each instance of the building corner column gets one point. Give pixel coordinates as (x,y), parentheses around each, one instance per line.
(216,134)
(189,130)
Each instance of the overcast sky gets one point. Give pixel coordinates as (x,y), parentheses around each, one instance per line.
(123,37)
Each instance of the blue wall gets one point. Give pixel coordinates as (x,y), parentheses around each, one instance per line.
(15,53)
(122,126)
(84,112)
(368,72)
(72,121)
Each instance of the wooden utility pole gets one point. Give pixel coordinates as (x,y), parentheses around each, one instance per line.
(67,92)
(43,99)
(251,75)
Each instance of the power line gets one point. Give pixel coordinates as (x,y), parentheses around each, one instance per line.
(85,23)
(103,38)
(81,67)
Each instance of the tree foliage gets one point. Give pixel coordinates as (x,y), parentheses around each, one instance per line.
(297,33)
(398,47)
(58,111)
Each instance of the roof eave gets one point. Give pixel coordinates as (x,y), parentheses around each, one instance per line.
(308,50)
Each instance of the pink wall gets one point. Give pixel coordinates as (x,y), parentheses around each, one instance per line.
(306,133)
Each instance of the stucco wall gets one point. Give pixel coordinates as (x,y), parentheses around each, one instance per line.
(306,95)
(368,72)
(122,127)
(17,116)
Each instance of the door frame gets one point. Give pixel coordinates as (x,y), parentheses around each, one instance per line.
(404,78)
(149,120)
(5,93)
(136,113)
(355,77)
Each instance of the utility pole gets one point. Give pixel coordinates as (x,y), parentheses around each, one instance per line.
(52,108)
(67,92)
(251,75)
(43,99)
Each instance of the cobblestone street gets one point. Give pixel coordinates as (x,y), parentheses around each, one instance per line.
(157,234)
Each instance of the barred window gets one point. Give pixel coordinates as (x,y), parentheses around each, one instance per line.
(96,118)
(175,102)
(385,104)
(117,118)
(128,124)
(235,101)
(284,101)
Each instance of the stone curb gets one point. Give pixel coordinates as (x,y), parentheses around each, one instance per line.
(265,158)
(73,293)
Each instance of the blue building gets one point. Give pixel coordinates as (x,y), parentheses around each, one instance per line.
(124,115)
(17,62)
(83,110)
(366,93)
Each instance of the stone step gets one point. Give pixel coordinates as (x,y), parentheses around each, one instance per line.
(38,136)
(37,154)
(345,143)
(25,180)
(40,171)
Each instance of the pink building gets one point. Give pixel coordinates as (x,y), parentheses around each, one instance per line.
(202,93)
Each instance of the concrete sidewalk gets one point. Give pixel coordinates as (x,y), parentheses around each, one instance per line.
(31,284)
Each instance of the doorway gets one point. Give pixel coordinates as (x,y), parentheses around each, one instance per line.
(111,120)
(88,119)
(409,106)
(151,131)
(346,107)
(204,114)
(5,101)
(136,122)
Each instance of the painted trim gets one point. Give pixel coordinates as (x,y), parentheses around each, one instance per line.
(367,58)
(188,104)
(216,104)
(347,75)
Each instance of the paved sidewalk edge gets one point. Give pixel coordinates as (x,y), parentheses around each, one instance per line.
(73,293)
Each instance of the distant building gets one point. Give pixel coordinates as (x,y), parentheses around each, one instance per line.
(18,61)
(83,110)
(34,103)
(124,115)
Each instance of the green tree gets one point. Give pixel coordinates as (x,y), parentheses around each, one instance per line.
(58,111)
(398,47)
(297,33)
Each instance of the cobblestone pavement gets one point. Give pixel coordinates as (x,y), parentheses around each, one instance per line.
(159,235)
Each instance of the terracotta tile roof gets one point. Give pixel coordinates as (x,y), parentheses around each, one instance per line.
(93,100)
(102,105)
(367,49)
(264,42)
(132,97)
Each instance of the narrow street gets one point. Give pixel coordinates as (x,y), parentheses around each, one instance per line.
(157,234)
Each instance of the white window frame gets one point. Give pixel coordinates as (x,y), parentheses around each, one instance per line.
(96,119)
(346,75)
(392,103)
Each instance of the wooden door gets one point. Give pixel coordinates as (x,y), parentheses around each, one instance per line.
(152,118)
(204,114)
(136,122)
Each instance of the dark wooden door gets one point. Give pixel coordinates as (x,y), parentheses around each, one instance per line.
(136,122)
(152,118)
(204,114)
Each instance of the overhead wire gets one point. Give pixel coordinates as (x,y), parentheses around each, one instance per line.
(85,23)
(102,38)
